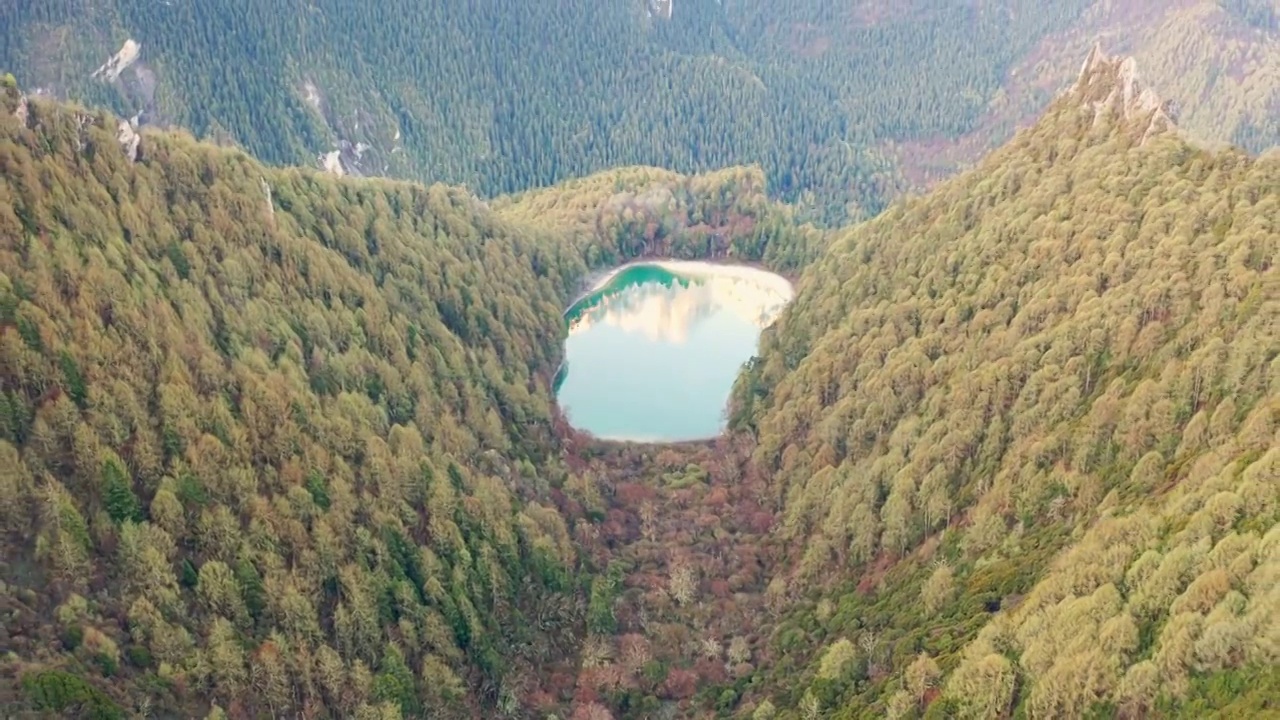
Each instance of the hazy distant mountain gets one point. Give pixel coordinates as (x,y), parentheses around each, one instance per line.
(842,104)
(504,95)
(1216,61)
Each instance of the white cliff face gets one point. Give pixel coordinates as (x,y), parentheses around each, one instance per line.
(311,94)
(271,206)
(358,144)
(119,62)
(127,134)
(1111,86)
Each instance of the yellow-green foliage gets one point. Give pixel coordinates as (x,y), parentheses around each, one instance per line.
(1029,337)
(1223,72)
(641,211)
(276,443)
(292,434)
(268,420)
(1075,344)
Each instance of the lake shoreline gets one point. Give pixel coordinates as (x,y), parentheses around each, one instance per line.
(747,298)
(597,279)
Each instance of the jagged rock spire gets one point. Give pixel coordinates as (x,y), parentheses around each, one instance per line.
(1092,61)
(1111,86)
(127,135)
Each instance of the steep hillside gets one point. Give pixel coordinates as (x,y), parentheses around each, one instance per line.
(269,439)
(503,95)
(1024,432)
(844,105)
(1217,61)
(273,441)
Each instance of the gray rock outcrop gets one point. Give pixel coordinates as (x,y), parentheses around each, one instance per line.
(1110,86)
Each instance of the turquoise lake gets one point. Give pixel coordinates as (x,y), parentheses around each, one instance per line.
(654,348)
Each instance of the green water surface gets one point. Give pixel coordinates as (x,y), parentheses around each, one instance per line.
(653,352)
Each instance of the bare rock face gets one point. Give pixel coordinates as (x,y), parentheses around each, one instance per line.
(127,134)
(1110,86)
(271,206)
(117,63)
(331,162)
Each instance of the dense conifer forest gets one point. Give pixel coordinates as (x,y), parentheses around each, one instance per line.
(270,421)
(276,443)
(708,88)
(844,105)
(1049,389)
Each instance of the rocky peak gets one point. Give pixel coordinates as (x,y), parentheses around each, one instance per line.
(1110,86)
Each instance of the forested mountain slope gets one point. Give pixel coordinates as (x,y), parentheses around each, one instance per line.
(1217,61)
(646,212)
(1026,435)
(268,439)
(275,442)
(503,95)
(843,104)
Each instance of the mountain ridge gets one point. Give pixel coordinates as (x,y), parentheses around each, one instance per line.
(267,425)
(972,390)
(1204,55)
(622,89)
(1113,85)
(281,442)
